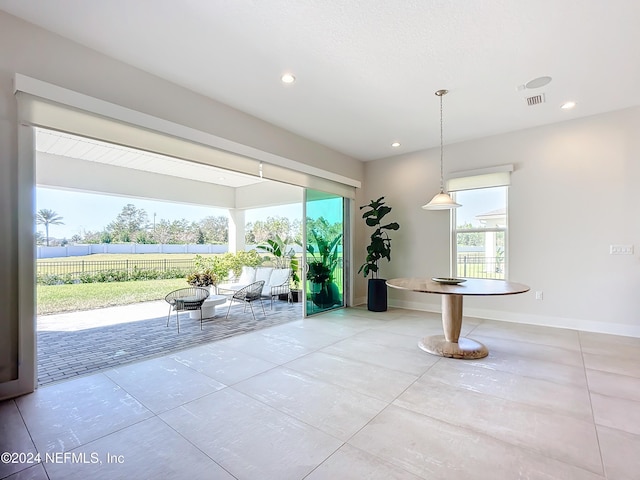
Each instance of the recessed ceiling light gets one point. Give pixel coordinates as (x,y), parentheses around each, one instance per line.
(568,105)
(288,78)
(220,178)
(538,82)
(395,144)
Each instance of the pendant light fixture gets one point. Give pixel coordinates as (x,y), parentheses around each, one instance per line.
(442,201)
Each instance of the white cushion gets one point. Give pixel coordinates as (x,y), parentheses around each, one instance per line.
(247,276)
(264,273)
(279,276)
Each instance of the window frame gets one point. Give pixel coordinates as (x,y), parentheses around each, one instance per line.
(455,231)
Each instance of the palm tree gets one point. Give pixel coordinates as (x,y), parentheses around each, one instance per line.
(48,217)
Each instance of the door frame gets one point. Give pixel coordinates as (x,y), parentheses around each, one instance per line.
(347,235)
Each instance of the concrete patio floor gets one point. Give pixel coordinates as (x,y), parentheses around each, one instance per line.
(79,343)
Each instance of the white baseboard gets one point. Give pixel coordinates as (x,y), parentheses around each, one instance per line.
(359,301)
(547,321)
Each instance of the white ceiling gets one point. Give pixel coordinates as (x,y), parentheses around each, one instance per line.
(367,70)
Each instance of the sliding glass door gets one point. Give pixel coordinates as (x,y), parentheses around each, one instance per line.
(324,258)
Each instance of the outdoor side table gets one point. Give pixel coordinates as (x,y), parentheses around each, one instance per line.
(209,307)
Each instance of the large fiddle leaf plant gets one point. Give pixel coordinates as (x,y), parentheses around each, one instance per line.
(380,245)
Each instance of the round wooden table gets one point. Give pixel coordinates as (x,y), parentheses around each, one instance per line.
(451,344)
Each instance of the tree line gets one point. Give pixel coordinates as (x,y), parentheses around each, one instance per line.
(133,225)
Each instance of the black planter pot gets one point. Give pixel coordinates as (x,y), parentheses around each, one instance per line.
(325,295)
(377,295)
(295,296)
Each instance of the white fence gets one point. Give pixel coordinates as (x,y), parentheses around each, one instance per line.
(89,249)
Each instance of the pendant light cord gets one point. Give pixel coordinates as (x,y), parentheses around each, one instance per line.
(441,201)
(441,151)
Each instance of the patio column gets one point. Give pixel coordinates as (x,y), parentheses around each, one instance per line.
(236,230)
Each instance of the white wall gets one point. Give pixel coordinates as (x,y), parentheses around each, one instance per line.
(575,191)
(31,51)
(8,232)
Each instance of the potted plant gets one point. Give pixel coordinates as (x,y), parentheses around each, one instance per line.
(283,258)
(203,276)
(324,261)
(296,292)
(379,248)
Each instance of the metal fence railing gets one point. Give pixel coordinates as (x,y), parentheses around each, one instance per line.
(478,266)
(75,269)
(81,267)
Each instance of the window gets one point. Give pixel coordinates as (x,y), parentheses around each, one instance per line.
(480,225)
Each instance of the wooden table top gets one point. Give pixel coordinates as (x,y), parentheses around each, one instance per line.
(472,286)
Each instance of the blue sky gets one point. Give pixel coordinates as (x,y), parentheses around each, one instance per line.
(476,202)
(83,212)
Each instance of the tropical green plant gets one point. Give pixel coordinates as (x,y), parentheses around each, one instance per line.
(380,245)
(325,256)
(48,217)
(295,278)
(281,257)
(318,272)
(276,247)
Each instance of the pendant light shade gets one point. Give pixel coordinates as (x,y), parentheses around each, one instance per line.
(442,200)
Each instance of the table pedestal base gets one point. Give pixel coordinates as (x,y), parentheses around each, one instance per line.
(209,307)
(465,348)
(451,344)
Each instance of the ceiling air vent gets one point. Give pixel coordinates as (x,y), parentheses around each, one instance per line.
(535,99)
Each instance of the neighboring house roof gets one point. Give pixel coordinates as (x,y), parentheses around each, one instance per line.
(493,218)
(500,212)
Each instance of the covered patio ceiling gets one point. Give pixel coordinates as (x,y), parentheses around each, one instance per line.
(77,163)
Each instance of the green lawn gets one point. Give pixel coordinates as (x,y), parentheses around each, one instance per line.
(87,296)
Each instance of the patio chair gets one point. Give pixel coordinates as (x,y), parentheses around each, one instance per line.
(278,285)
(186,299)
(247,295)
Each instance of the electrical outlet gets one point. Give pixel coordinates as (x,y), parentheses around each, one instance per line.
(539,295)
(620,249)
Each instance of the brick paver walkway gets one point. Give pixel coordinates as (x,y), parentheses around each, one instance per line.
(86,342)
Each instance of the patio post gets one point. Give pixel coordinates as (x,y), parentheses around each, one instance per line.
(236,230)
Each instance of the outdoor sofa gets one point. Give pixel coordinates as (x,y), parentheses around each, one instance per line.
(276,281)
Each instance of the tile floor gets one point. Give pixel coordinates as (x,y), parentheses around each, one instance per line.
(345,395)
